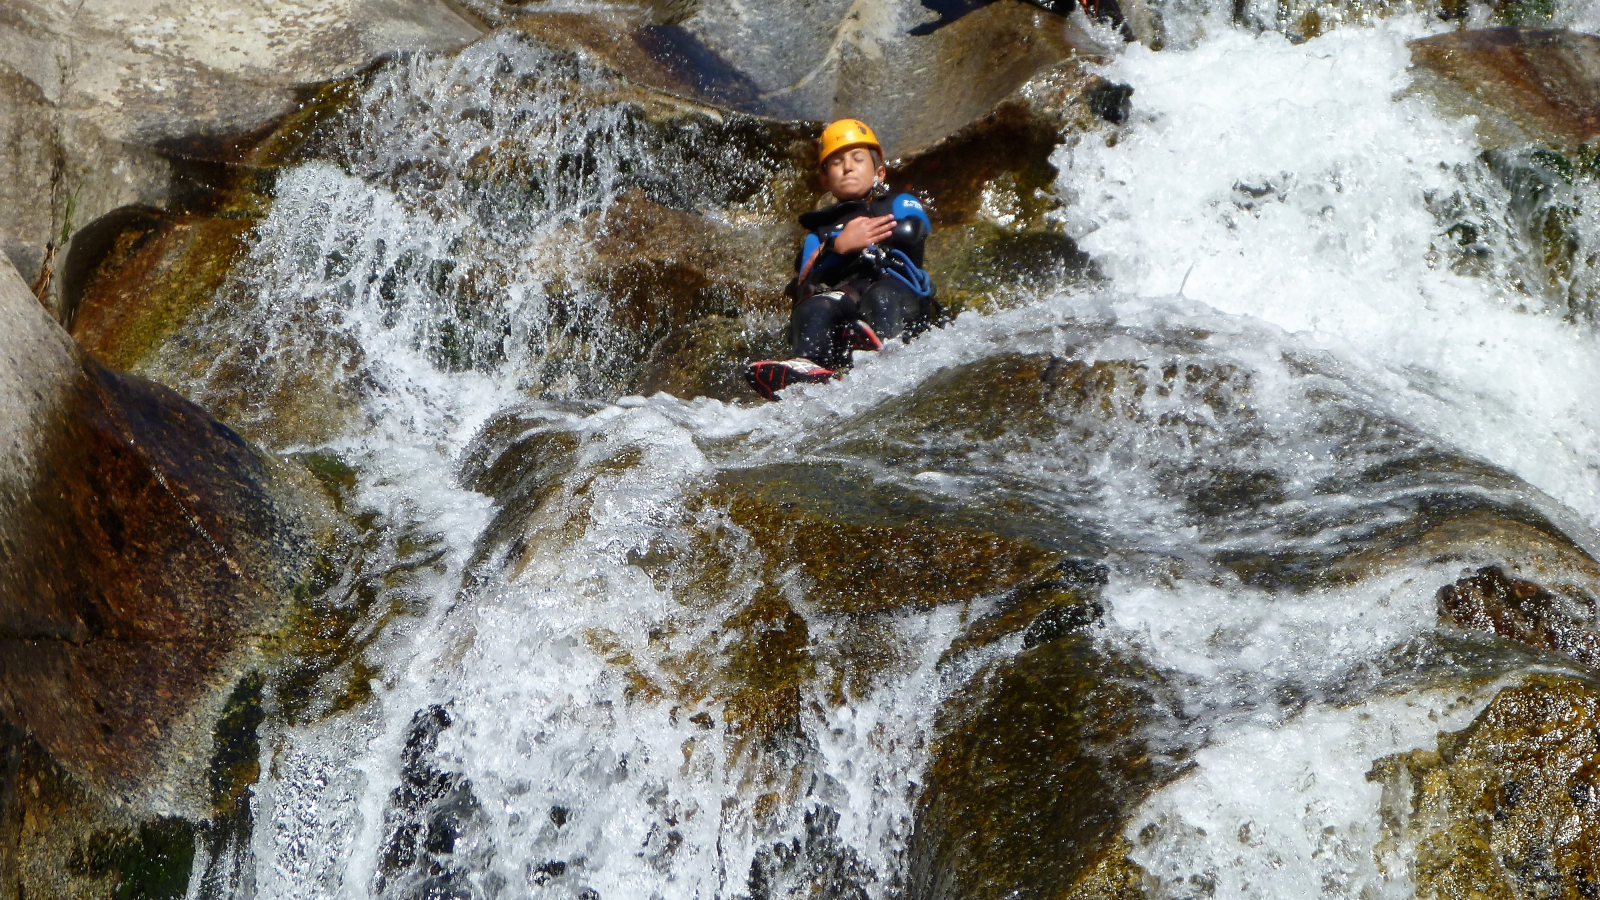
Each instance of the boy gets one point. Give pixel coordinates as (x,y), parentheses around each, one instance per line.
(859,278)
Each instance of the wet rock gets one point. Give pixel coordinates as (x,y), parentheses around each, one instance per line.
(138,275)
(653,54)
(1302,20)
(1066,601)
(765,672)
(428,813)
(683,292)
(839,547)
(1411,502)
(155,272)
(1035,774)
(151,552)
(64,841)
(1562,620)
(1522,85)
(866,60)
(1112,102)
(1041,758)
(707,357)
(869,549)
(112,86)
(819,865)
(1508,807)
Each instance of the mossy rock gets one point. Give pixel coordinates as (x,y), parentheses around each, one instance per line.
(1508,807)
(156,274)
(1038,768)
(707,358)
(838,546)
(868,549)
(70,843)
(993,261)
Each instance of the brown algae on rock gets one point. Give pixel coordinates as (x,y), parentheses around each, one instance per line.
(1508,807)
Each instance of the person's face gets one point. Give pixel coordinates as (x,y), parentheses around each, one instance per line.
(849,173)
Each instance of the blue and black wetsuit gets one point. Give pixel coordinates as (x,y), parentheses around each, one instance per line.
(883,285)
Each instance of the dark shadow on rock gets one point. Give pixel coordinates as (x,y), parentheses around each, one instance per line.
(690,63)
(130,226)
(948,11)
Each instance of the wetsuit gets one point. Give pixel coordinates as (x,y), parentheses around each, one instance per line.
(883,286)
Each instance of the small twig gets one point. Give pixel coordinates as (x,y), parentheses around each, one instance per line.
(41,285)
(1186,280)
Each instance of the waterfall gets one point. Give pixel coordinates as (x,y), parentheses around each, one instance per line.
(583,665)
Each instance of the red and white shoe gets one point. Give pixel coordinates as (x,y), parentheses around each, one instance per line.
(768,377)
(862,337)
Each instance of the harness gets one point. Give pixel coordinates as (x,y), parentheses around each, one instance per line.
(899,256)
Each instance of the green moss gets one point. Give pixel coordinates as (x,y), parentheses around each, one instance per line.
(138,298)
(1039,765)
(1524,13)
(152,863)
(236,753)
(336,478)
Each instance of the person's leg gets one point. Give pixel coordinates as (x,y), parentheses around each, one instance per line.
(816,328)
(894,310)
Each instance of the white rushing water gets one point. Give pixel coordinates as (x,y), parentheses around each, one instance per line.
(1288,183)
(1271,198)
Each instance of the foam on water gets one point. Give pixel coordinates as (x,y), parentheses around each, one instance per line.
(1288,811)
(1289,183)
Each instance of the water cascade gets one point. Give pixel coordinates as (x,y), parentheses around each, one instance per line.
(1235,539)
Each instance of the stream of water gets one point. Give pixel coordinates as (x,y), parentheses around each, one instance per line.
(1269,226)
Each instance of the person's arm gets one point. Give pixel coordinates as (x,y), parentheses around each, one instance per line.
(820,254)
(911,229)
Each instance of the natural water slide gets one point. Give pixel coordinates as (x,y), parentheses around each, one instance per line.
(384,516)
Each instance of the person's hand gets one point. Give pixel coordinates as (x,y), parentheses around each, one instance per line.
(861,232)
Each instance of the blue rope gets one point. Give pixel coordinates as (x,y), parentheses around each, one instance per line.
(913,277)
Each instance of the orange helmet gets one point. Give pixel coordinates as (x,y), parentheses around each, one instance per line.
(844,134)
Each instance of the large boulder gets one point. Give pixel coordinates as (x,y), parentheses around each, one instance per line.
(101,103)
(915,80)
(1521,84)
(867,60)
(151,556)
(1505,808)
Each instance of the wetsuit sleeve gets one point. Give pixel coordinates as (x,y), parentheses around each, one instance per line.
(911,227)
(806,249)
(909,207)
(826,262)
